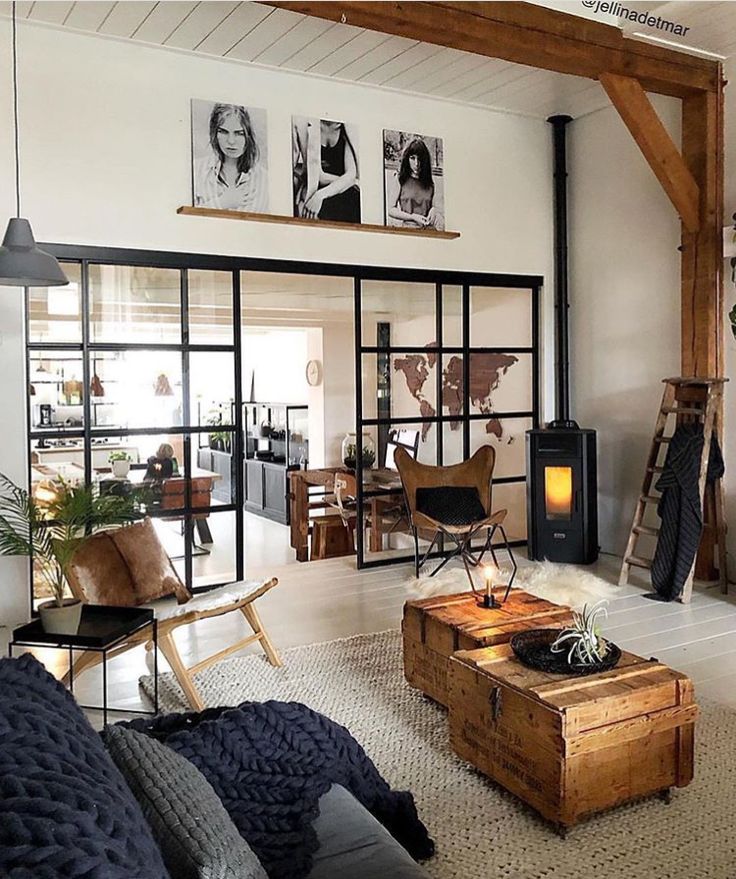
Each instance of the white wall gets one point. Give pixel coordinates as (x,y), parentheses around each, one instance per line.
(106,161)
(625,303)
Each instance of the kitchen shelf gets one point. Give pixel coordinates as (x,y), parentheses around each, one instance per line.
(320,224)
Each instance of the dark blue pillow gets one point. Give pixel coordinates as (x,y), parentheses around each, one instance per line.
(65,810)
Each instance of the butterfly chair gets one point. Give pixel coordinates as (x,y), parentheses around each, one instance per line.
(453,502)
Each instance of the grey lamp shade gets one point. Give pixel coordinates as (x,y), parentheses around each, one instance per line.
(22,264)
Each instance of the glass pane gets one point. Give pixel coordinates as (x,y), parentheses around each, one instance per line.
(210,307)
(558,492)
(55,313)
(55,385)
(500,317)
(452,442)
(213,555)
(512,497)
(500,382)
(136,389)
(508,438)
(212,387)
(52,460)
(136,303)
(453,388)
(413,385)
(452,316)
(408,309)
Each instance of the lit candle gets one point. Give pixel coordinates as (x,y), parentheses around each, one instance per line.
(489,571)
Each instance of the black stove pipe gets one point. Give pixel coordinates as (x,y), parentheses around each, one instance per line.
(562,302)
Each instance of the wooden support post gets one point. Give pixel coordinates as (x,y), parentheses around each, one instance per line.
(653,139)
(702,271)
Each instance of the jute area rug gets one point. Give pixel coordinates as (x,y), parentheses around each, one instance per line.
(480,830)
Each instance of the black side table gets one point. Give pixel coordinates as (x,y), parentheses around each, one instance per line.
(101,629)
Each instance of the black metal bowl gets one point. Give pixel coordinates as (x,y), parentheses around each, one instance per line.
(533,649)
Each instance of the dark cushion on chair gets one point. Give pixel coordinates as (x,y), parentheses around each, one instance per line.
(451,504)
(65,810)
(194,831)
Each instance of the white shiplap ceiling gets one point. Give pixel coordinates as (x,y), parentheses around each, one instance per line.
(254,33)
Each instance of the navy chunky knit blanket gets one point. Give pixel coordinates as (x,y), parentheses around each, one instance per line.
(270,762)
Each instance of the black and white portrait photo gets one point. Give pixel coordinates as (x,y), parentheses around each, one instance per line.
(413,180)
(326,179)
(229,157)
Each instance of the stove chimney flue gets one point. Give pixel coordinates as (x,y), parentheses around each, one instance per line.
(562,303)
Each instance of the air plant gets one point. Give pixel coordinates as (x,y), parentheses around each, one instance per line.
(583,639)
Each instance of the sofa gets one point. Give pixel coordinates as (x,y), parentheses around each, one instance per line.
(74,803)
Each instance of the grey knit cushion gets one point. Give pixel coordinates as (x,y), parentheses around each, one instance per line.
(196,836)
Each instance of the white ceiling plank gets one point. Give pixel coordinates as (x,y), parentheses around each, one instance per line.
(277,23)
(363,42)
(401,63)
(50,12)
(88,15)
(326,44)
(460,68)
(430,67)
(200,24)
(240,22)
(299,37)
(482,72)
(530,81)
(384,52)
(163,21)
(487,77)
(125,18)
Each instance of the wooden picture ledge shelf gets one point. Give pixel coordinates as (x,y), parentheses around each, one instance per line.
(320,224)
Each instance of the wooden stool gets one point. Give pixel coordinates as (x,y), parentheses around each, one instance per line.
(330,538)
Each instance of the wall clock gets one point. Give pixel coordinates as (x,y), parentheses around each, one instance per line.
(314,373)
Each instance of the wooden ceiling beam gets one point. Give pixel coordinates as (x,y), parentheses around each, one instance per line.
(523,33)
(653,139)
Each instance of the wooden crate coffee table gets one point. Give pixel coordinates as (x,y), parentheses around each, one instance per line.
(572,746)
(434,628)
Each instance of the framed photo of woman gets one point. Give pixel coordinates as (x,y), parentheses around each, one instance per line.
(229,157)
(413,180)
(325,172)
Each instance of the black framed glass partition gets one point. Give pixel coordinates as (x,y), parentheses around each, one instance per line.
(448,367)
(144,349)
(133,362)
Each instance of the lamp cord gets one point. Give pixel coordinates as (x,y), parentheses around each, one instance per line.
(15,113)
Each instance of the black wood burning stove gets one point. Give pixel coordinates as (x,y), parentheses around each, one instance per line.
(562,495)
(561,486)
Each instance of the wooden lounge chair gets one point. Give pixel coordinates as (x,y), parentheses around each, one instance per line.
(101,573)
(453,502)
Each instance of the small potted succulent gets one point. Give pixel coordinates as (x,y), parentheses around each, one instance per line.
(583,641)
(49,526)
(120,462)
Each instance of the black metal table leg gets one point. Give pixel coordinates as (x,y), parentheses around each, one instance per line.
(155,666)
(104,688)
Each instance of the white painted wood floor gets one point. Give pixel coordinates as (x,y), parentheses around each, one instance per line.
(319,601)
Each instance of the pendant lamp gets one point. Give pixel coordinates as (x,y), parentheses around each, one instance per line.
(22,263)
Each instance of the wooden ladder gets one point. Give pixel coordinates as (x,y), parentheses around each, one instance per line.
(688,399)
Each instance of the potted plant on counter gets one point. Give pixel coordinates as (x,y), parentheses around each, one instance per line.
(120,462)
(49,526)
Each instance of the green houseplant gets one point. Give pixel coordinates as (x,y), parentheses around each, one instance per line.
(120,462)
(49,526)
